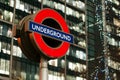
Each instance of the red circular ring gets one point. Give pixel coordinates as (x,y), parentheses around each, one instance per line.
(41,45)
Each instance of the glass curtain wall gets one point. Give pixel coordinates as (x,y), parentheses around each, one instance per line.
(75,61)
(98,52)
(27,70)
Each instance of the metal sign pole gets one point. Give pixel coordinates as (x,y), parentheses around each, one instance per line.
(43,63)
(43,69)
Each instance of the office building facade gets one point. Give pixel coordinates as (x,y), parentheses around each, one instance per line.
(84,59)
(102,22)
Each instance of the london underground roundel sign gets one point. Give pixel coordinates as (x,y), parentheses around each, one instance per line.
(51,37)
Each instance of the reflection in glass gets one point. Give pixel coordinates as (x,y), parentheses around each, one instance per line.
(4,66)
(53,62)
(1,29)
(9,32)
